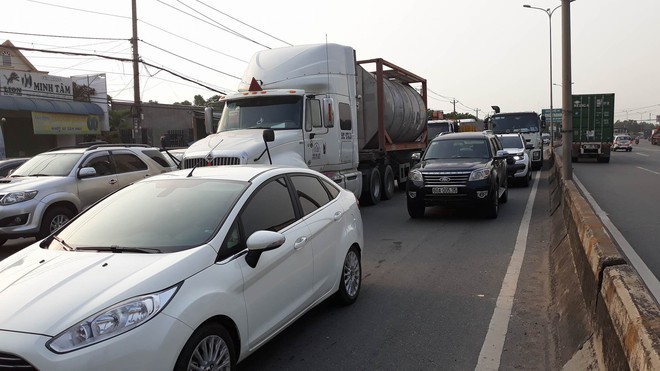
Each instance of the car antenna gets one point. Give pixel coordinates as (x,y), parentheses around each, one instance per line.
(208,158)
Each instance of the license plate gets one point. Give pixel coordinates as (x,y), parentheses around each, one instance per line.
(591,146)
(444,190)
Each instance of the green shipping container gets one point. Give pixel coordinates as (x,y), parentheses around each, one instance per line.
(593,126)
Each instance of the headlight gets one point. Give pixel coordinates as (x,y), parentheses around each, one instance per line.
(518,157)
(479,174)
(16,197)
(416,176)
(111,322)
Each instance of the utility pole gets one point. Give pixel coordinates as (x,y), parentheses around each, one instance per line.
(137,104)
(567,91)
(454,102)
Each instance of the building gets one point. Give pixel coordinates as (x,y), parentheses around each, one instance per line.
(38,110)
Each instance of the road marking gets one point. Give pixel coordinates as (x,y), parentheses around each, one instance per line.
(650,171)
(641,154)
(491,350)
(645,273)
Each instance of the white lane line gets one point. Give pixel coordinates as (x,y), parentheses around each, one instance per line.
(491,350)
(641,154)
(650,171)
(645,273)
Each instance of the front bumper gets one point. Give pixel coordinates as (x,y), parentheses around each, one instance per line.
(474,192)
(21,219)
(153,346)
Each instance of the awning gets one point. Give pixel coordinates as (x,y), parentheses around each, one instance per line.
(12,103)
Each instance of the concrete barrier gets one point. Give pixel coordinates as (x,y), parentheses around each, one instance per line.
(613,322)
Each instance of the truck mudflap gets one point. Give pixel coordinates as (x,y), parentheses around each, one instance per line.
(350,180)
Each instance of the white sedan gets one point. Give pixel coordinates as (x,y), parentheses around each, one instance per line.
(185,270)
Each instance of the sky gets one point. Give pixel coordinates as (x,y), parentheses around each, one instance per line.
(478,53)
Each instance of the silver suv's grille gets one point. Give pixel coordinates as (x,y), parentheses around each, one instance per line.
(190,163)
(446,178)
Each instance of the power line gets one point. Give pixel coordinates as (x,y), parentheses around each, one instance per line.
(190,60)
(64,36)
(79,10)
(237,20)
(117,59)
(218,26)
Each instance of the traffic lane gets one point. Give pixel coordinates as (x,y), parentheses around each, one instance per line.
(12,246)
(429,292)
(627,190)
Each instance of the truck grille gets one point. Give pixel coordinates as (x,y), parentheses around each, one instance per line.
(189,163)
(446,178)
(12,362)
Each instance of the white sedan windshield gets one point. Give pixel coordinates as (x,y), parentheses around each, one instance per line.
(159,216)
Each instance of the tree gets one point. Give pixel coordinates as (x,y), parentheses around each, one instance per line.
(199,100)
(184,103)
(83,93)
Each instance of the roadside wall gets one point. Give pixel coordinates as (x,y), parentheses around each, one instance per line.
(606,318)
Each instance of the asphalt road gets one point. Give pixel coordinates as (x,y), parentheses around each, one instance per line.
(628,191)
(429,295)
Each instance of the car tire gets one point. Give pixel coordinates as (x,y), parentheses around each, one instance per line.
(350,281)
(416,209)
(525,180)
(371,187)
(493,206)
(388,183)
(54,219)
(195,354)
(505,196)
(574,159)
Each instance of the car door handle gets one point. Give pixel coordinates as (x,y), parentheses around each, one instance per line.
(300,243)
(113,181)
(338,216)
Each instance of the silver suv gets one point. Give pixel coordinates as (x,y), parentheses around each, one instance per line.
(52,187)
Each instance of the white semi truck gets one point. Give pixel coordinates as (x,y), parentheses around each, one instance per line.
(316,106)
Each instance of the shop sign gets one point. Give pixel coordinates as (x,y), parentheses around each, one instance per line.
(65,124)
(35,85)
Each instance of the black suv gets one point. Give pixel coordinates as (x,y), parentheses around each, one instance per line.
(459,169)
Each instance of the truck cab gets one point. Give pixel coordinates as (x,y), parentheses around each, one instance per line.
(529,124)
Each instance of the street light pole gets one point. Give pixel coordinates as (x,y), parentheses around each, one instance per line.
(552,124)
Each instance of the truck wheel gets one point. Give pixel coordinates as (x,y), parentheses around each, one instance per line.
(525,180)
(371,187)
(53,220)
(388,183)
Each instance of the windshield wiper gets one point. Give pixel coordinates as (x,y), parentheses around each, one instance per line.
(64,244)
(39,175)
(118,249)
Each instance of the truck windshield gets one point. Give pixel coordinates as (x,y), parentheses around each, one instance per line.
(277,113)
(515,123)
(436,128)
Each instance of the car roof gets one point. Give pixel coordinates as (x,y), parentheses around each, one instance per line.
(463,135)
(234,172)
(97,146)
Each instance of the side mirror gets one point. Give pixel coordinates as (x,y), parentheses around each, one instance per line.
(529,146)
(269,135)
(416,156)
(261,241)
(86,172)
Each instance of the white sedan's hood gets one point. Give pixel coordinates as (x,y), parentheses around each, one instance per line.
(46,292)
